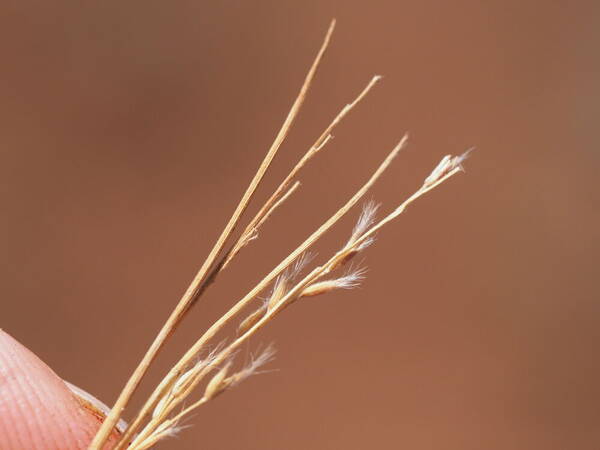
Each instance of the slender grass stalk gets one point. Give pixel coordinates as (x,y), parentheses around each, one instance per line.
(252,228)
(160,423)
(163,410)
(200,344)
(205,276)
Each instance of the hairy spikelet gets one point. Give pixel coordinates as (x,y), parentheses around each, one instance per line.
(251,319)
(446,165)
(218,383)
(349,281)
(365,220)
(252,368)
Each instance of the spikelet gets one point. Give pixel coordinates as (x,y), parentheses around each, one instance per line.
(160,406)
(284,281)
(446,165)
(365,220)
(183,379)
(251,320)
(349,281)
(252,368)
(218,383)
(281,286)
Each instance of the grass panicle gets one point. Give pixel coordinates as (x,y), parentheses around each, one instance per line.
(290,281)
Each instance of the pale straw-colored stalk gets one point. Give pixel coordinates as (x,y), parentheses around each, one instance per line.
(252,228)
(274,200)
(207,272)
(162,412)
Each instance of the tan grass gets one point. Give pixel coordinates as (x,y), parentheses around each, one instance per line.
(161,414)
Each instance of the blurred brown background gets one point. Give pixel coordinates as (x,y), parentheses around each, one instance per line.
(130,129)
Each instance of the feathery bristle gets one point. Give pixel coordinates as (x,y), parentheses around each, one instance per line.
(445,166)
(365,220)
(264,357)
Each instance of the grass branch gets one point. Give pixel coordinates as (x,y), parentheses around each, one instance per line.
(204,275)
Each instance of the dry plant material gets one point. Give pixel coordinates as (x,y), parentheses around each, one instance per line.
(213,366)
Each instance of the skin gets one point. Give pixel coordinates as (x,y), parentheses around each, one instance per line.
(37,409)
